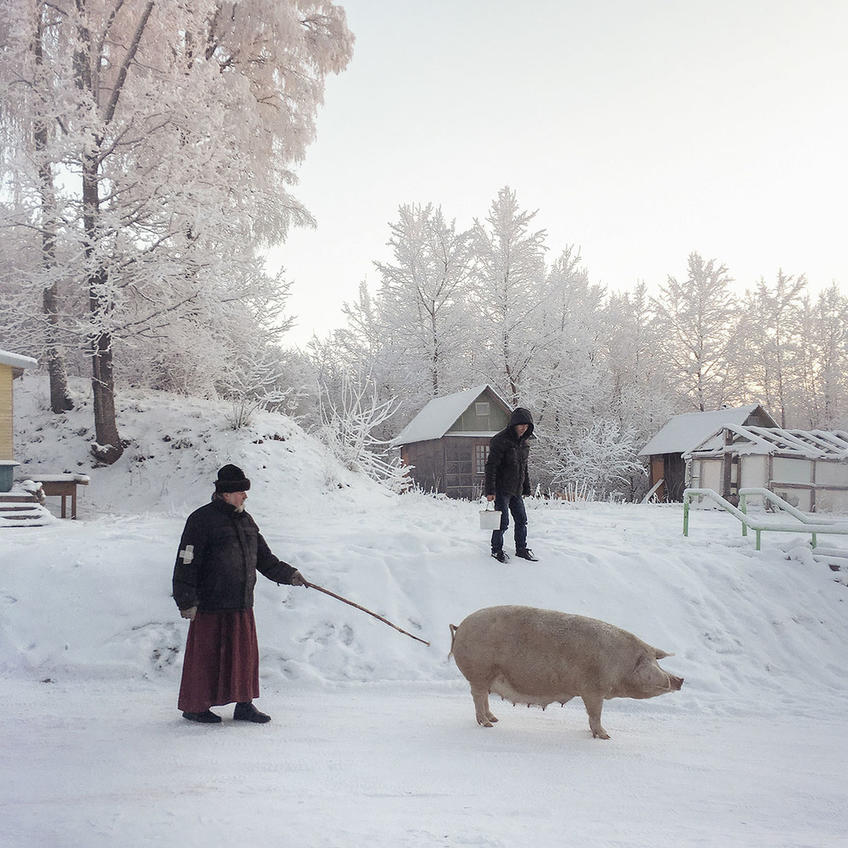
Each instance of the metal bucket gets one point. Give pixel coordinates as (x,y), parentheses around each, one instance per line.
(489,519)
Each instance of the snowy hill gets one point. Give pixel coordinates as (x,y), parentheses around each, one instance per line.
(758,636)
(734,617)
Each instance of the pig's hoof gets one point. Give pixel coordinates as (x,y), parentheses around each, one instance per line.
(492,718)
(485,723)
(600,734)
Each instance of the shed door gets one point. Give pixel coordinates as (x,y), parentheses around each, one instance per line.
(675,476)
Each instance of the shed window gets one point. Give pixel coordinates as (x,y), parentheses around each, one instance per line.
(481,454)
(481,409)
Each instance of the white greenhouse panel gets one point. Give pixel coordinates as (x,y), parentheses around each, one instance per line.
(754,471)
(787,470)
(832,502)
(832,473)
(711,474)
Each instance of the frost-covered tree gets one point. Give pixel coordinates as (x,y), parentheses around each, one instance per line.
(599,459)
(21,320)
(360,342)
(698,342)
(178,128)
(567,375)
(508,292)
(30,103)
(824,359)
(642,398)
(348,422)
(583,379)
(360,347)
(422,296)
(771,333)
(601,372)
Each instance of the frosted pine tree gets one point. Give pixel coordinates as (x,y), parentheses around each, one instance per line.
(698,341)
(508,293)
(422,298)
(772,339)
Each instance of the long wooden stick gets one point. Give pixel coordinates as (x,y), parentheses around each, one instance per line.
(351,603)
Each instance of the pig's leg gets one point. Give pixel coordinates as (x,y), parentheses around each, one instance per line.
(594,703)
(481,704)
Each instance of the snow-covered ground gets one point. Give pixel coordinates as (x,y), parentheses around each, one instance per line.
(373,739)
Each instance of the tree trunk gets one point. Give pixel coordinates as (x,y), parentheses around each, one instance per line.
(60,396)
(108,447)
(510,377)
(434,373)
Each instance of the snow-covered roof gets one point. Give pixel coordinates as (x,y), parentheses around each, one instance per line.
(440,414)
(684,432)
(808,444)
(16,360)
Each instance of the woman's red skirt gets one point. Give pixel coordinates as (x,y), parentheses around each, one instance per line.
(221,663)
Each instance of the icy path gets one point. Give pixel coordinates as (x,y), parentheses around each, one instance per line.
(371,765)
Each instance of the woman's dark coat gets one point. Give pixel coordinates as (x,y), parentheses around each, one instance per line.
(220,552)
(506,466)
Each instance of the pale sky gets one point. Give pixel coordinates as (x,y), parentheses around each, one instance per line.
(640,131)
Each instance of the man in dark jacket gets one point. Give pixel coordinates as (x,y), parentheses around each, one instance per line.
(507,481)
(221,550)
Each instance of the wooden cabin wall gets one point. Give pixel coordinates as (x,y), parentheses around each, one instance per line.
(6,414)
(657,474)
(758,419)
(453,466)
(428,461)
(485,415)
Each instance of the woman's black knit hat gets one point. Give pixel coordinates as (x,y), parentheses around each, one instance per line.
(231,479)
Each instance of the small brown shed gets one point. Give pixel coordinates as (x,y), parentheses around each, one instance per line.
(684,432)
(447,443)
(11,365)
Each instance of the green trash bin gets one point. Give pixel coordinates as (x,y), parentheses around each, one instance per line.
(7,473)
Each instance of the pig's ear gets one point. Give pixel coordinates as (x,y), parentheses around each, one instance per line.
(660,653)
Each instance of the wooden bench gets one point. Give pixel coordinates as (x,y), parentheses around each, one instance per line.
(63,486)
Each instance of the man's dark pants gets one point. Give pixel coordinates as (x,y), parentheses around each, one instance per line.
(505,504)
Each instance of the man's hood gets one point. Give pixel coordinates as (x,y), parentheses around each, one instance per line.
(522,416)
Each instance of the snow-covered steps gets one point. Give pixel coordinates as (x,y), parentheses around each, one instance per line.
(22,510)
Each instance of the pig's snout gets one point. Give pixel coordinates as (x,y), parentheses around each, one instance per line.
(675,683)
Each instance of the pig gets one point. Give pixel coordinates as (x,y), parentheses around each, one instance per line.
(538,656)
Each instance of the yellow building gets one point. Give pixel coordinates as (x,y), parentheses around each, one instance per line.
(11,365)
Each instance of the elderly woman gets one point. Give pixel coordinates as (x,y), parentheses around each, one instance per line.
(221,550)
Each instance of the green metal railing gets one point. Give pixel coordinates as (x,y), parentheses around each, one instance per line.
(804,523)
